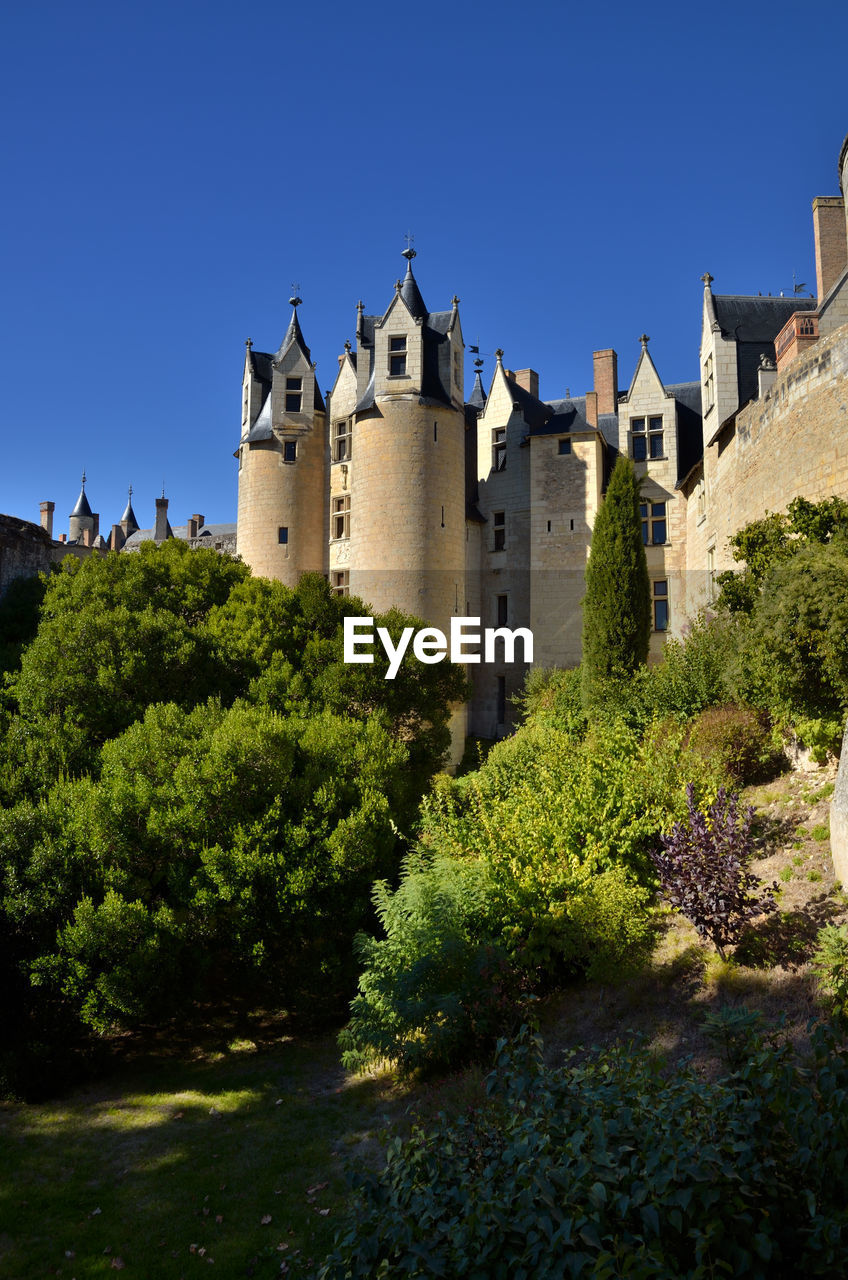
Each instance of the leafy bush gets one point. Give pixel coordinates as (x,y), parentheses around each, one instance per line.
(702,870)
(436,988)
(830,961)
(553,697)
(609,1166)
(737,741)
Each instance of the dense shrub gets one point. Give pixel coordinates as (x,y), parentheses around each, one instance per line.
(738,741)
(552,697)
(830,962)
(610,1167)
(703,870)
(438,987)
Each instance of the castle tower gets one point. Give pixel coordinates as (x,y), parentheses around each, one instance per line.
(83,525)
(397,429)
(281,530)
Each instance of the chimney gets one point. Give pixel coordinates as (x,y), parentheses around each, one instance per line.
(117,539)
(161,529)
(592,408)
(95,515)
(86,537)
(201,521)
(831,242)
(766,376)
(191,527)
(606,380)
(47,509)
(528,379)
(63,537)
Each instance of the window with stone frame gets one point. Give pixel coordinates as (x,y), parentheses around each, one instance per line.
(340,582)
(564,446)
(289,451)
(342,440)
(397,356)
(659,600)
(499,449)
(709,383)
(294,394)
(502,610)
(341,517)
(647,438)
(654,523)
(499,529)
(283,535)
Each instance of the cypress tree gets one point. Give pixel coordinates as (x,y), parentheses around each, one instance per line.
(617,604)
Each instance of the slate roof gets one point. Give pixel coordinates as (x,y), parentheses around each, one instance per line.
(690,433)
(293,337)
(570,415)
(411,294)
(436,370)
(478,396)
(754,323)
(208,530)
(82,508)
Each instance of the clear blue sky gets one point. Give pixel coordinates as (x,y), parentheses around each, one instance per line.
(569,171)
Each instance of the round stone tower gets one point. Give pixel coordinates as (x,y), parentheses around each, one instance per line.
(407,459)
(281,530)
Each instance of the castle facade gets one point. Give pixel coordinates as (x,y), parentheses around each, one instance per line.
(405,492)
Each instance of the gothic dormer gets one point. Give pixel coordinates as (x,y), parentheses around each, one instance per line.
(295,396)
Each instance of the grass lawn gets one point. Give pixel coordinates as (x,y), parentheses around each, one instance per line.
(233,1161)
(232,1155)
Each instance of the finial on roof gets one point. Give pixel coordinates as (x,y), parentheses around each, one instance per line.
(347,344)
(478,363)
(499,355)
(83,479)
(248,342)
(409,253)
(454,301)
(163,488)
(397,286)
(707,279)
(129,492)
(295,300)
(644,341)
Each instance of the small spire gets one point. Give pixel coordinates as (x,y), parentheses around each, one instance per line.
(360,321)
(707,279)
(397,286)
(644,341)
(499,355)
(248,342)
(454,302)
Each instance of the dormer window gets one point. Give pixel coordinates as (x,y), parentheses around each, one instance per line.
(341,440)
(397,356)
(499,449)
(647,434)
(294,394)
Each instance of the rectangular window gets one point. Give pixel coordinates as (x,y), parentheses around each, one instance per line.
(647,443)
(565,446)
(499,449)
(502,610)
(654,527)
(397,356)
(283,536)
(702,500)
(340,582)
(499,526)
(341,517)
(294,394)
(501,700)
(660,600)
(709,385)
(341,440)
(289,451)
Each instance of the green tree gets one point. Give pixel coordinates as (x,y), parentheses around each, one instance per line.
(617,604)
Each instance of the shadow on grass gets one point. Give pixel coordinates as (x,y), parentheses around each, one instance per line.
(786,938)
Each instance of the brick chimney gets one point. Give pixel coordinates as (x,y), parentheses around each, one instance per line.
(201,521)
(592,408)
(117,537)
(162,529)
(191,527)
(47,509)
(831,241)
(606,380)
(528,379)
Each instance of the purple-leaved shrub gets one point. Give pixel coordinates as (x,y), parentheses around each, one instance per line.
(703,870)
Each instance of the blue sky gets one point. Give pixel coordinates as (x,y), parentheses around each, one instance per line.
(170,169)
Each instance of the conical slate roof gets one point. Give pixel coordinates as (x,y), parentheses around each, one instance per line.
(82,508)
(128,517)
(293,336)
(478,395)
(411,294)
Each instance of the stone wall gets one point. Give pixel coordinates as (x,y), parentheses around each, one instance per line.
(25,550)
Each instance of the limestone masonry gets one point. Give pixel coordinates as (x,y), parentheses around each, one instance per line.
(402,491)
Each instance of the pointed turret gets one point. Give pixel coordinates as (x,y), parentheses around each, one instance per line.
(129,524)
(409,290)
(294,335)
(82,508)
(478,396)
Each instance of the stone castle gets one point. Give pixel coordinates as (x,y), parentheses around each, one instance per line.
(406,493)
